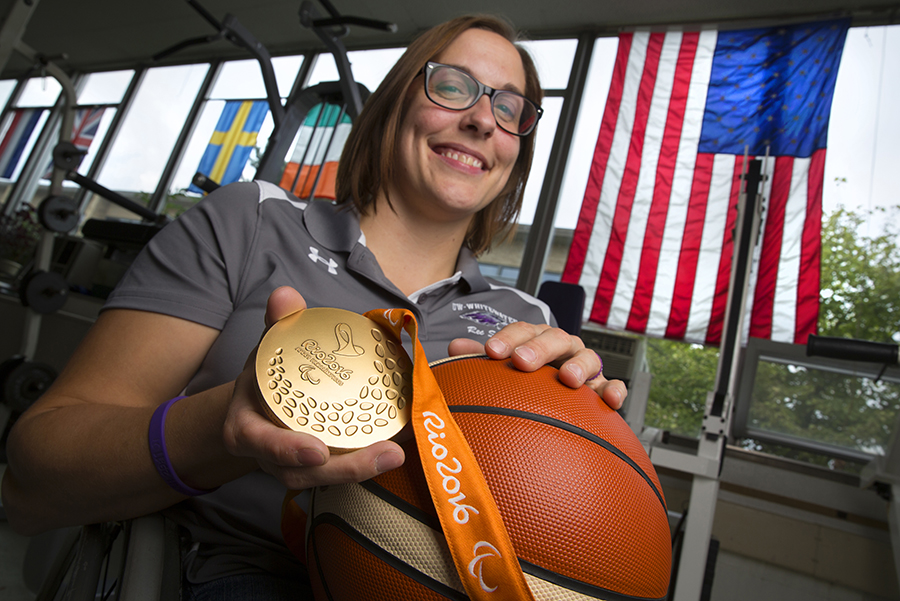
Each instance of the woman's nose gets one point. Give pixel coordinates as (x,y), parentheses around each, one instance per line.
(480,116)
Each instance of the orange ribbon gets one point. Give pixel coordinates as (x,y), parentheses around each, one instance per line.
(473,527)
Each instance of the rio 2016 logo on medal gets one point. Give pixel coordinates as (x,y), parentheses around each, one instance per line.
(336,375)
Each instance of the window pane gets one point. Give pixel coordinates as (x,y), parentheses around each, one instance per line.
(587,127)
(148,135)
(864,124)
(40,91)
(105,88)
(806,403)
(504,260)
(6,88)
(108,115)
(553,59)
(369,66)
(546,131)
(240,80)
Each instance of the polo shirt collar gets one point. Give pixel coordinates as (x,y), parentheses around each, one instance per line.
(336,227)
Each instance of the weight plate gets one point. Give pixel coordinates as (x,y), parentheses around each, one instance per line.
(67,156)
(6,368)
(26,383)
(43,291)
(58,214)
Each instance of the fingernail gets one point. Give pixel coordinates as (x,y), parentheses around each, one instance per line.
(310,457)
(577,372)
(387,461)
(497,346)
(526,353)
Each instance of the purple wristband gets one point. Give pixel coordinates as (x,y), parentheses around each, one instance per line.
(160,455)
(596,375)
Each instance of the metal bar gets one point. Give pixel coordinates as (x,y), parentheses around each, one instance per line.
(740,276)
(115,197)
(14,27)
(242,36)
(362,22)
(350,90)
(717,421)
(535,254)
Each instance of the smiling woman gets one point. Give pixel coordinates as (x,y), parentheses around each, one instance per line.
(422,188)
(368,160)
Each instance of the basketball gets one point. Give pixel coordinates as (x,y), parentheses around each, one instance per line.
(581,501)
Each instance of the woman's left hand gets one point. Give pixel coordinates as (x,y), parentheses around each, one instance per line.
(532,346)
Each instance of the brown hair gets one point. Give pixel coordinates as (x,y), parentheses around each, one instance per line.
(367,161)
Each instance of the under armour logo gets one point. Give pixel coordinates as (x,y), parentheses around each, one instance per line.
(331,263)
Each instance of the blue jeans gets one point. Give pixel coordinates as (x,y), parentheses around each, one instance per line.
(248,587)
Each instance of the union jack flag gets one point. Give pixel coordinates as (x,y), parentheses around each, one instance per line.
(87,122)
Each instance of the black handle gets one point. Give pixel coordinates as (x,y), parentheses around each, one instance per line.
(852,349)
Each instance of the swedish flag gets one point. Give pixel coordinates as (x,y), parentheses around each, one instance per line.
(231,142)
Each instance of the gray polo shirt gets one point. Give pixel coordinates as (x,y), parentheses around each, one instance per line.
(218,263)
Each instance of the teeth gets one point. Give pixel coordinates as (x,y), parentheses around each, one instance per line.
(462,158)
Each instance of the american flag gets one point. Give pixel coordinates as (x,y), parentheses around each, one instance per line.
(653,245)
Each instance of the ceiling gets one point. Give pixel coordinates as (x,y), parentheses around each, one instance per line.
(90,35)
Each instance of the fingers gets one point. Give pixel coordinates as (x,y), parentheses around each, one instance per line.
(531,346)
(282,302)
(356,466)
(298,460)
(465,346)
(613,392)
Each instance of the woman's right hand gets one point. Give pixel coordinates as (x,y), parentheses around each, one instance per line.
(296,459)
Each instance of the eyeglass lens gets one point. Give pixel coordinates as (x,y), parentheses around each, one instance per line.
(454,89)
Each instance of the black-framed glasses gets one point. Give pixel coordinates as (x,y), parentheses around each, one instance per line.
(454,89)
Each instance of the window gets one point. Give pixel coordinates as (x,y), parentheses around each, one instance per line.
(238,80)
(554,59)
(147,136)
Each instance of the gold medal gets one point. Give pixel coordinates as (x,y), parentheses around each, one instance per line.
(336,375)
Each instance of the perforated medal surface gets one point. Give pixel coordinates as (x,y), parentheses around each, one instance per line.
(336,375)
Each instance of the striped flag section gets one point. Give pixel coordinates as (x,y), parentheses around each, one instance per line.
(16,138)
(320,141)
(231,142)
(653,245)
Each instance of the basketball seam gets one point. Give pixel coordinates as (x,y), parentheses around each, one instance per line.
(577,586)
(401,504)
(551,421)
(402,567)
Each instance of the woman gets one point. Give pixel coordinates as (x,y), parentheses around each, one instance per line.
(431,173)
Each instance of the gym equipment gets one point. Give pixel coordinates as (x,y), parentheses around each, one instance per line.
(288,118)
(24,382)
(44,292)
(58,214)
